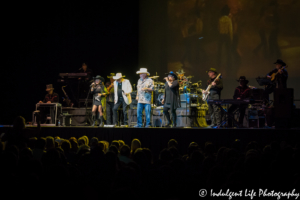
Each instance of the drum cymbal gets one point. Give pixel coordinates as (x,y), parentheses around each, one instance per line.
(189,76)
(154,77)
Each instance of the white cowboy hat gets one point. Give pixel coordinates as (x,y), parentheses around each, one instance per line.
(118,76)
(143,71)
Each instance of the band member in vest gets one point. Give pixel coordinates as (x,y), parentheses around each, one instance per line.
(282,75)
(172,98)
(145,87)
(240,93)
(51,97)
(122,90)
(110,99)
(215,93)
(98,90)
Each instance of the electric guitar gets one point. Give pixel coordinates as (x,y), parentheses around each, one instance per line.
(274,74)
(205,96)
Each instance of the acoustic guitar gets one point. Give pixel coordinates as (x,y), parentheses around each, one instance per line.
(274,74)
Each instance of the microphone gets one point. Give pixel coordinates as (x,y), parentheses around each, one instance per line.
(92,84)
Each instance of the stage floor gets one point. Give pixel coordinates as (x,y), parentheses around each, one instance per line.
(157,138)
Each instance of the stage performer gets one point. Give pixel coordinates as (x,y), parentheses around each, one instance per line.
(145,87)
(241,92)
(215,93)
(122,93)
(98,90)
(171,99)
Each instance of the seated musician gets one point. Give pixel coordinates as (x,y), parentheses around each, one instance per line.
(51,97)
(241,92)
(281,76)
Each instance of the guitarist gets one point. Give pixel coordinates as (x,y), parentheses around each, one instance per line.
(281,76)
(215,93)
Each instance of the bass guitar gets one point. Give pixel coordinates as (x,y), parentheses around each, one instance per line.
(205,95)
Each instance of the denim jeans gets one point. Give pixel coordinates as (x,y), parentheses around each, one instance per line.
(115,111)
(109,112)
(140,108)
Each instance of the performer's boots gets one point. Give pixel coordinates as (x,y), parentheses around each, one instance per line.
(94,120)
(101,124)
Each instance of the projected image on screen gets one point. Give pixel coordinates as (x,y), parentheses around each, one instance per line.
(237,37)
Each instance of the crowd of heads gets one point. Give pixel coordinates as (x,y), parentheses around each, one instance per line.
(91,168)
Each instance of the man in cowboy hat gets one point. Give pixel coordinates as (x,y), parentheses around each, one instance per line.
(122,90)
(171,99)
(145,87)
(215,93)
(110,99)
(282,75)
(51,97)
(240,93)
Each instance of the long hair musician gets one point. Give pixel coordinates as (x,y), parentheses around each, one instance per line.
(99,92)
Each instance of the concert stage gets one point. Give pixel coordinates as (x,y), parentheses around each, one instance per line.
(157,138)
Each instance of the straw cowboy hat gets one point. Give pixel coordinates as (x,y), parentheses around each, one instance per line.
(143,71)
(111,75)
(212,70)
(118,76)
(49,87)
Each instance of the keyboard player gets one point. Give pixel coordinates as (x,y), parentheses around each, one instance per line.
(51,97)
(84,82)
(241,92)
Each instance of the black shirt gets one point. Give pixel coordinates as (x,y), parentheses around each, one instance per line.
(280,79)
(172,98)
(54,98)
(120,90)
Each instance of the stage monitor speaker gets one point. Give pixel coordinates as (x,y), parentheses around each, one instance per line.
(283,102)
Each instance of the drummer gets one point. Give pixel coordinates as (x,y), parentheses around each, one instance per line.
(181,79)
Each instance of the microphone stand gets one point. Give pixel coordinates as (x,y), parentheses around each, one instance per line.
(186,114)
(86,113)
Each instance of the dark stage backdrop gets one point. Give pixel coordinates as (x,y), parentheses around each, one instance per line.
(41,40)
(185,34)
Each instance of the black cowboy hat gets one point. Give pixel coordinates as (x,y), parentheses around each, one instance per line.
(172,74)
(111,75)
(243,78)
(279,61)
(99,77)
(212,70)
